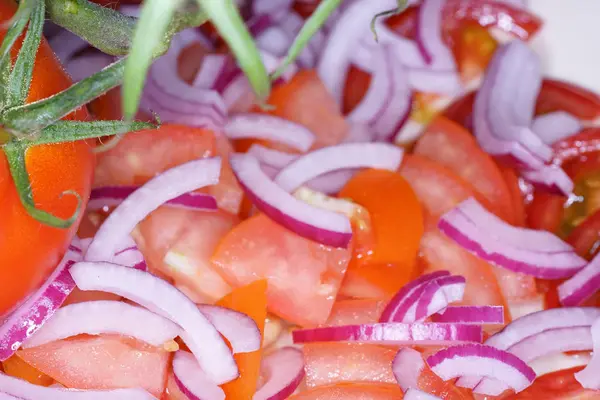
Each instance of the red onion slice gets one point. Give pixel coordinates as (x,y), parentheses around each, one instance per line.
(98,317)
(416,394)
(4,396)
(161,297)
(471,315)
(111,196)
(338,157)
(127,253)
(29,317)
(589,376)
(192,380)
(284,370)
(399,305)
(21,389)
(476,240)
(170,184)
(482,360)
(274,40)
(523,238)
(393,333)
(407,367)
(262,126)
(555,126)
(240,330)
(273,158)
(581,286)
(310,222)
(213,67)
(66,44)
(438,294)
(550,178)
(271,7)
(429,35)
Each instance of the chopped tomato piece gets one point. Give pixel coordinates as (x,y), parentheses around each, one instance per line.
(304,276)
(545,211)
(397,224)
(517,201)
(180,243)
(357,84)
(252,301)
(306,101)
(585,238)
(559,385)
(455,148)
(461,110)
(352,391)
(102,362)
(18,368)
(173,392)
(356,312)
(473,49)
(329,363)
(562,96)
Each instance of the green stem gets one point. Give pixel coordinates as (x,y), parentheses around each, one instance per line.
(70,131)
(402,5)
(15,154)
(312,25)
(20,77)
(32,118)
(109,30)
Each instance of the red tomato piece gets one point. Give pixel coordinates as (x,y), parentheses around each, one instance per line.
(304,276)
(454,147)
(559,385)
(102,362)
(585,238)
(356,312)
(179,244)
(562,96)
(18,368)
(331,363)
(352,391)
(545,211)
(517,201)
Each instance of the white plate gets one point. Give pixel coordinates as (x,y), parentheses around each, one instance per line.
(569,41)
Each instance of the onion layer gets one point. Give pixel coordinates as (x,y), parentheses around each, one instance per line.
(192,380)
(589,377)
(284,371)
(407,367)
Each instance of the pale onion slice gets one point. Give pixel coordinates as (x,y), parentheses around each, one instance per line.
(284,371)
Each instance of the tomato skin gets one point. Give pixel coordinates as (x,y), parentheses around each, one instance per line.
(53,169)
(559,385)
(584,238)
(557,95)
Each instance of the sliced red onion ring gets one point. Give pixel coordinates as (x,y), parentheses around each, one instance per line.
(581,286)
(159,296)
(398,306)
(262,126)
(407,367)
(529,239)
(192,380)
(284,370)
(338,157)
(429,35)
(533,324)
(393,333)
(98,317)
(241,331)
(550,178)
(170,184)
(274,40)
(471,315)
(555,126)
(482,360)
(273,158)
(589,377)
(21,389)
(29,317)
(272,7)
(66,44)
(310,222)
(438,294)
(213,67)
(416,394)
(5,396)
(475,239)
(127,253)
(112,196)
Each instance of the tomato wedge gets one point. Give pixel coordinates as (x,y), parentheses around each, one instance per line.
(452,146)
(397,224)
(252,301)
(356,312)
(559,385)
(585,238)
(304,276)
(562,96)
(352,391)
(516,196)
(102,362)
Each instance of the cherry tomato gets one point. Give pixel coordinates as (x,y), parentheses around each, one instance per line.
(30,250)
(397,225)
(304,276)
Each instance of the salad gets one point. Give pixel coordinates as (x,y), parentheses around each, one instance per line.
(313,200)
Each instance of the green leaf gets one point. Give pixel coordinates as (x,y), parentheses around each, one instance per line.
(15,154)
(70,131)
(30,119)
(19,80)
(311,26)
(228,21)
(149,32)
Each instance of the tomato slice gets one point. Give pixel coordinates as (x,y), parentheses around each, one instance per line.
(516,196)
(559,385)
(306,101)
(331,363)
(356,312)
(585,238)
(252,301)
(101,362)
(18,368)
(397,224)
(562,96)
(352,391)
(304,276)
(455,148)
